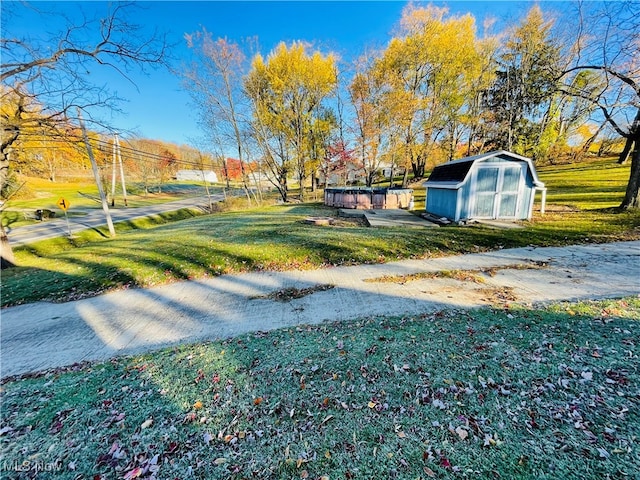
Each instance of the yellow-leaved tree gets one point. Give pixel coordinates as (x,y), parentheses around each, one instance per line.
(287,90)
(432,69)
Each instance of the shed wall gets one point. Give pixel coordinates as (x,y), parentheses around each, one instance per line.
(441,202)
(526,201)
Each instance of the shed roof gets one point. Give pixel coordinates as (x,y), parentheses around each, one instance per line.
(451,172)
(455,172)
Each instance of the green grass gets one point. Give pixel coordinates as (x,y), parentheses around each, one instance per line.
(153,251)
(589,185)
(518,394)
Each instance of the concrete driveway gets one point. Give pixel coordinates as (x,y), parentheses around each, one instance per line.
(44,335)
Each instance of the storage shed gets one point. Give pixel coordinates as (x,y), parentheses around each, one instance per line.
(495,185)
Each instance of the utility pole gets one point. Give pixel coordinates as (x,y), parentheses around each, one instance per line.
(113,174)
(96,174)
(124,188)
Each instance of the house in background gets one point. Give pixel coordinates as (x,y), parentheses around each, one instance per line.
(495,185)
(197,175)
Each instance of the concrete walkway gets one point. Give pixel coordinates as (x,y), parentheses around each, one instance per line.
(44,335)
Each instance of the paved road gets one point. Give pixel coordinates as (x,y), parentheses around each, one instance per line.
(44,335)
(96,218)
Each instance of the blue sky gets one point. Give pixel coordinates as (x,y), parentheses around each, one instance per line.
(157,107)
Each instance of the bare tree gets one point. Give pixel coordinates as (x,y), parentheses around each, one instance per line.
(45,79)
(214,81)
(612,50)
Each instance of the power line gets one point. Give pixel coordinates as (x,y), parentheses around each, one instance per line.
(103,145)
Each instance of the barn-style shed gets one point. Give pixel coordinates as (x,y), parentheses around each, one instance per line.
(495,185)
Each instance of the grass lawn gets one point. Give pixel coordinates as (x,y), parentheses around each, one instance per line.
(276,238)
(516,394)
(521,393)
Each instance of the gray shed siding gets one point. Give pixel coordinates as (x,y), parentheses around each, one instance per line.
(442,202)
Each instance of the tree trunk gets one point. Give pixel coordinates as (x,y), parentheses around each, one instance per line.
(405,178)
(7,259)
(628,147)
(632,195)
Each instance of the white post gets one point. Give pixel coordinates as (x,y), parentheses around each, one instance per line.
(66,217)
(113,176)
(124,187)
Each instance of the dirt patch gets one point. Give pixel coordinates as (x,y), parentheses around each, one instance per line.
(321,221)
(336,222)
(498,295)
(291,293)
(475,275)
(555,208)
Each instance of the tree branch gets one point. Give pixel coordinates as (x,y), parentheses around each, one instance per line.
(624,78)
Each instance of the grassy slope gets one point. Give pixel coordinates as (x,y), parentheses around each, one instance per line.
(275,238)
(529,394)
(518,394)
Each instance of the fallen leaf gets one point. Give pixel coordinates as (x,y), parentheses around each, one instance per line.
(220,461)
(462,433)
(439,404)
(587,375)
(135,473)
(147,423)
(257,401)
(197,405)
(172,447)
(429,472)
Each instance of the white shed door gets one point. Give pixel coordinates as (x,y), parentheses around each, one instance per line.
(496,191)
